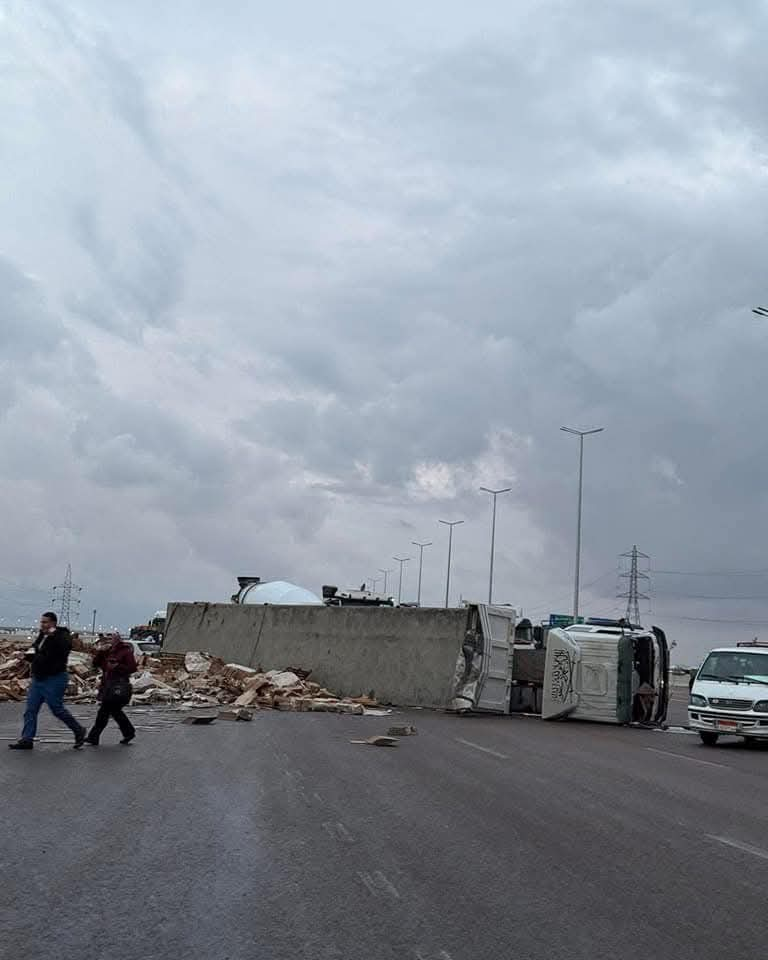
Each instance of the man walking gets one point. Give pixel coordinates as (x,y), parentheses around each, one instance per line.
(48,658)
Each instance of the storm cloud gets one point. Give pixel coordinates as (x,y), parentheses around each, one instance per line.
(281,289)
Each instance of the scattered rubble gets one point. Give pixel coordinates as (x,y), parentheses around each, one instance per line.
(378,741)
(239,714)
(189,680)
(406,731)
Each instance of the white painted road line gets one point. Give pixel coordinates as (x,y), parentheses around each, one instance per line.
(738,845)
(476,746)
(378,884)
(682,756)
(338,831)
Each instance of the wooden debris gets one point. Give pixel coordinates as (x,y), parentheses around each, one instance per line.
(378,741)
(406,731)
(186,679)
(239,714)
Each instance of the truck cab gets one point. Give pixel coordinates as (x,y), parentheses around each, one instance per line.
(729,695)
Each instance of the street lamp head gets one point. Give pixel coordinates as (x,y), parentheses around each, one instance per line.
(760,311)
(450,523)
(582,433)
(401,559)
(495,492)
(418,543)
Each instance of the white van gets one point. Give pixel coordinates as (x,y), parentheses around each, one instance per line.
(729,695)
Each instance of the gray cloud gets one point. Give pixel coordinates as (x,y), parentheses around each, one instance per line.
(299,290)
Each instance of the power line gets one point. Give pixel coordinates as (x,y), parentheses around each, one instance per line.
(753,623)
(547,604)
(711,573)
(709,596)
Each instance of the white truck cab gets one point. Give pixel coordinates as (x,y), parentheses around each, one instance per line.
(729,695)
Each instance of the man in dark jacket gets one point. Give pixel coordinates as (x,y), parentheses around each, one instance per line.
(117,663)
(48,659)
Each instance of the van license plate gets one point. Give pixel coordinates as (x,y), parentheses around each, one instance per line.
(727,724)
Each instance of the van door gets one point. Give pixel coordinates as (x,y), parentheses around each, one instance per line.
(561,676)
(495,683)
(662,682)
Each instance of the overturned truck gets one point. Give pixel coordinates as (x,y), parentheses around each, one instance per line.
(600,670)
(474,658)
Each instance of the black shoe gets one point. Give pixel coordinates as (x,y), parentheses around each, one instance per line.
(91,742)
(126,740)
(21,745)
(80,737)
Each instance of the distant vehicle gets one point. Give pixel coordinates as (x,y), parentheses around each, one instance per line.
(152,632)
(333,597)
(729,695)
(143,648)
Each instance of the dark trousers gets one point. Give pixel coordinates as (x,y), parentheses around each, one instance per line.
(111,708)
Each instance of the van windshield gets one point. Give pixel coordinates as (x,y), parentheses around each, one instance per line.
(736,667)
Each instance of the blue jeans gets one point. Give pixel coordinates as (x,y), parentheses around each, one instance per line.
(51,691)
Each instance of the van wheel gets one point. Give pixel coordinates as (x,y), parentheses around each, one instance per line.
(707,738)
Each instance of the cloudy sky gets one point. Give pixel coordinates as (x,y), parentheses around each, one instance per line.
(281,285)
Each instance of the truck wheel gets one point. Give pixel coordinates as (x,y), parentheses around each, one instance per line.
(707,738)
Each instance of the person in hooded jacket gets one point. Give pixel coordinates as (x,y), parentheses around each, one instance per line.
(117,662)
(48,666)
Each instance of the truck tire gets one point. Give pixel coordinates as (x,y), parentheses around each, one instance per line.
(707,738)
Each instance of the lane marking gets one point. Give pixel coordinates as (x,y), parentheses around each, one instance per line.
(476,746)
(682,756)
(738,845)
(443,955)
(337,831)
(377,884)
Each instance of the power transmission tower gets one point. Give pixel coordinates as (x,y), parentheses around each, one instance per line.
(67,596)
(636,579)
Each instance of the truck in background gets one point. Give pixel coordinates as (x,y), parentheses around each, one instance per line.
(151,632)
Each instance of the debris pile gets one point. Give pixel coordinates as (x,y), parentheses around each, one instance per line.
(189,680)
(14,670)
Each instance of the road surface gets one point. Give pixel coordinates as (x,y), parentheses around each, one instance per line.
(484,837)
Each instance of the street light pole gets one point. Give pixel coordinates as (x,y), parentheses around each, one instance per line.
(450,524)
(494,494)
(93,626)
(420,545)
(580,434)
(386,576)
(401,561)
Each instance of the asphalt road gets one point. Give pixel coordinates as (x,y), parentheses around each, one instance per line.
(481,837)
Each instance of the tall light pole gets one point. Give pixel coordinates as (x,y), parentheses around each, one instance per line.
(450,524)
(420,545)
(386,576)
(93,626)
(374,581)
(580,434)
(494,494)
(401,561)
